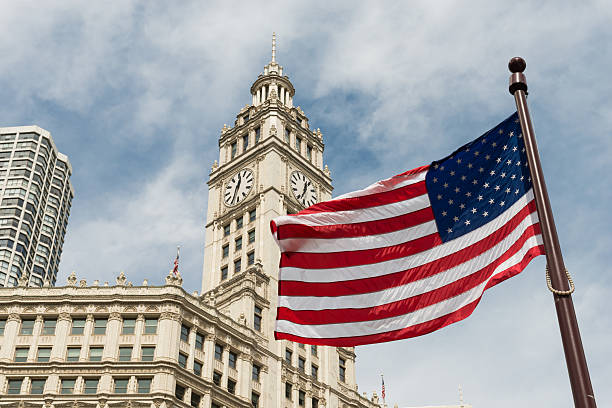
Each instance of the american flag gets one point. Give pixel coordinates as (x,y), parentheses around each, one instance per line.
(175,270)
(382,392)
(410,254)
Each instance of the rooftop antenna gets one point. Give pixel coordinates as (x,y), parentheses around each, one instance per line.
(273,47)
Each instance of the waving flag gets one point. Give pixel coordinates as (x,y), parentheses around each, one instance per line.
(410,254)
(175,270)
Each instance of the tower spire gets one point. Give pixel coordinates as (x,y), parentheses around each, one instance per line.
(273,48)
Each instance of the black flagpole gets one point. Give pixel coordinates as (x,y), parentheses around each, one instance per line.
(570,334)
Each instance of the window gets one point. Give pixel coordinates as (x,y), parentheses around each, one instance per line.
(234,148)
(146,353)
(73,354)
(78,326)
(287,135)
(185,333)
(314,371)
(257,134)
(309,152)
(125,353)
(313,350)
(255,399)
(121,385)
(238,243)
(257,315)
(43,354)
(217,378)
(245,142)
(129,325)
(298,144)
(256,372)
(218,352)
(231,386)
(199,343)
(179,392)
(232,359)
(150,325)
(237,265)
(315,403)
(195,399)
(37,386)
(301,398)
(95,353)
(287,390)
(21,354)
(251,258)
(197,367)
(301,364)
(239,223)
(14,386)
(226,230)
(342,369)
(215,405)
(27,327)
(67,385)
(224,273)
(182,360)
(301,345)
(91,385)
(288,356)
(225,250)
(2,322)
(252,215)
(100,326)
(49,326)
(251,236)
(144,385)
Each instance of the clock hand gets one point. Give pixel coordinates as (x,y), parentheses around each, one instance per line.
(304,192)
(236,189)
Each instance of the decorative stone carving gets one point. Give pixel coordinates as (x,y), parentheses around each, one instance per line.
(95,283)
(82,283)
(174,280)
(64,316)
(215,166)
(145,282)
(326,171)
(23,280)
(121,279)
(272,130)
(72,279)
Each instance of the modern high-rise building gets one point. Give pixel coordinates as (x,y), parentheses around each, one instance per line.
(35,194)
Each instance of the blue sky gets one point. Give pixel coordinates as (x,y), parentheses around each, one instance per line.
(135,93)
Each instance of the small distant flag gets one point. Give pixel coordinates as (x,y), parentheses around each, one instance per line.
(175,270)
(382,393)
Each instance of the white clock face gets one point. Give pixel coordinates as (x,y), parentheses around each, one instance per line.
(303,189)
(238,187)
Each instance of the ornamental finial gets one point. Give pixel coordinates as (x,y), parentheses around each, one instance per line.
(273,47)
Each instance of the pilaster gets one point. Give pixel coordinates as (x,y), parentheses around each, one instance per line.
(10,337)
(113,330)
(61,336)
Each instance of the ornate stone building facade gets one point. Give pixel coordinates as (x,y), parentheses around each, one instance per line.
(104,346)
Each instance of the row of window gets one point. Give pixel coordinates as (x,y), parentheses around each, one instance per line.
(301,396)
(239,222)
(90,385)
(298,144)
(314,369)
(78,326)
(237,265)
(245,142)
(73,353)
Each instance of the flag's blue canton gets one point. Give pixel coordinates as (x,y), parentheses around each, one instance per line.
(479,181)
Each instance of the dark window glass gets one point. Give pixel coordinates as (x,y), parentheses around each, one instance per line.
(251,236)
(342,369)
(100,326)
(315,403)
(217,378)
(301,398)
(224,273)
(121,385)
(43,354)
(301,364)
(197,367)
(257,316)
(218,352)
(237,265)
(255,399)
(150,325)
(179,392)
(232,359)
(226,230)
(67,386)
(287,135)
(91,385)
(313,350)
(238,243)
(78,326)
(288,356)
(195,399)
(147,353)
(14,385)
(199,343)
(129,326)
(287,390)
(225,250)
(314,371)
(252,215)
(185,333)
(256,372)
(21,354)
(231,386)
(257,134)
(73,354)
(234,149)
(125,353)
(182,360)
(27,327)
(95,353)
(37,386)
(245,142)
(239,223)
(144,385)
(251,258)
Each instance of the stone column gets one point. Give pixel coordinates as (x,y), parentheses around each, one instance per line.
(10,337)
(61,337)
(106,383)
(113,330)
(35,335)
(168,333)
(52,384)
(205,400)
(244,375)
(225,360)
(191,357)
(209,357)
(138,332)
(87,332)
(254,100)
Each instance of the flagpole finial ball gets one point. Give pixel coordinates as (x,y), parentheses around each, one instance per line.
(517,64)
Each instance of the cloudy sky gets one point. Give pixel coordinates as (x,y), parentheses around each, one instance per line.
(135,93)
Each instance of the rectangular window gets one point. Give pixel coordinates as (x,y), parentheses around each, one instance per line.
(185,333)
(195,399)
(251,258)
(237,265)
(49,326)
(314,371)
(309,152)
(257,134)
(37,386)
(125,353)
(91,385)
(226,230)
(251,236)
(287,135)
(313,350)
(2,322)
(239,223)
(224,273)
(225,250)
(288,356)
(73,354)
(197,367)
(179,392)
(301,398)
(288,391)
(100,326)
(315,403)
(234,149)
(218,352)
(43,354)
(257,316)
(27,327)
(252,215)
(238,243)
(144,385)
(129,326)
(217,378)
(199,343)
(256,372)
(121,385)
(78,326)
(67,385)
(342,369)
(301,364)
(298,144)
(232,359)
(147,353)
(14,386)
(95,353)
(245,142)
(21,354)
(301,345)
(231,386)
(182,360)
(150,325)
(255,399)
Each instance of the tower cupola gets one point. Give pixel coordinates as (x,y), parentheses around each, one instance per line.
(272,83)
